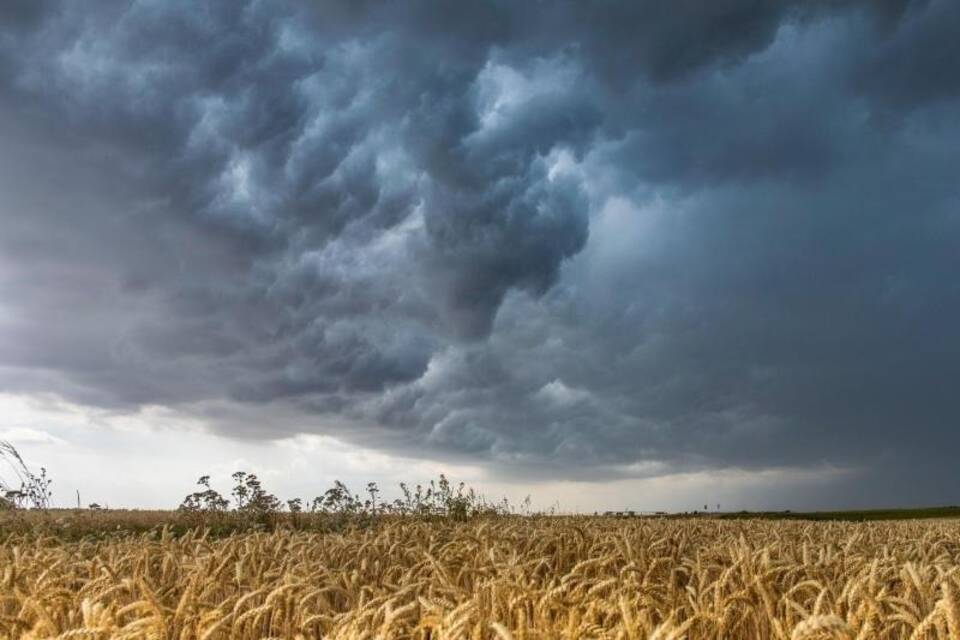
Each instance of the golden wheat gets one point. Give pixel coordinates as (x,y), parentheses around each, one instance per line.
(500,578)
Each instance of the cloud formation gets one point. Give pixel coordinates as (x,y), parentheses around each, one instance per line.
(633,241)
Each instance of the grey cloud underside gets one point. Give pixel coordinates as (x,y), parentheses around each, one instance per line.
(623,241)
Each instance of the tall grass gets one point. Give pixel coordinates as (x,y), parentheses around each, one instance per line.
(20,486)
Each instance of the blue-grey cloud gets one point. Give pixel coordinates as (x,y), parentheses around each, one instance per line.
(599,242)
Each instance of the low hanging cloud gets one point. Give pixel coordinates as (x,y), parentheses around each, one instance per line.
(593,243)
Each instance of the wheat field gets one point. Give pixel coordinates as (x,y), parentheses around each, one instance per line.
(497,578)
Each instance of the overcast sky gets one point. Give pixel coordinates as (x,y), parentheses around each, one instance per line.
(636,254)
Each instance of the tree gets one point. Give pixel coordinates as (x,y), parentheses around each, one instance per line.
(240,491)
(337,499)
(253,500)
(208,500)
(373,490)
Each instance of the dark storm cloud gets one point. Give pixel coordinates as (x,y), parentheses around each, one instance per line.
(617,239)
(916,66)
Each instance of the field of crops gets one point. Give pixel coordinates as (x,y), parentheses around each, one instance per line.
(506,577)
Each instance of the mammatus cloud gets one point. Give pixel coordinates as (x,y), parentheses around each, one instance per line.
(648,239)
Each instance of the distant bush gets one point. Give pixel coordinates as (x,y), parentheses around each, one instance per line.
(336,508)
(205,505)
(251,506)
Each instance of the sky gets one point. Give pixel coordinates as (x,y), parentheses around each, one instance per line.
(612,255)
